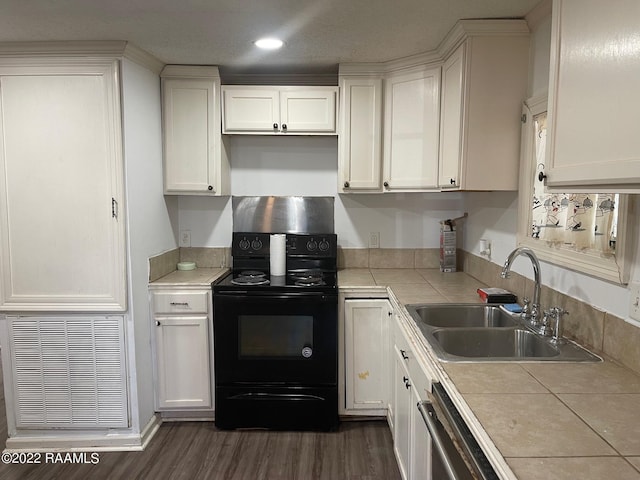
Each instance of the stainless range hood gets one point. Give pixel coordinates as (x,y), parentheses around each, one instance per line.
(283,214)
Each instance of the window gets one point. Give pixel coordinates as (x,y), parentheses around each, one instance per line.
(586,232)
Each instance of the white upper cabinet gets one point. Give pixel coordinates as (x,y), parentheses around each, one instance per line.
(593,113)
(484,81)
(360,135)
(62,211)
(412,109)
(308,110)
(451,117)
(264,110)
(195,154)
(451,120)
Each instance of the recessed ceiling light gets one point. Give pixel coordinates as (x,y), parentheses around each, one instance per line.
(269,43)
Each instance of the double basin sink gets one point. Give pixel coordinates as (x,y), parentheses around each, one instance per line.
(479,332)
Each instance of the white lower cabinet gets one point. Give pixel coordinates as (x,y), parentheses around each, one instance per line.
(183,359)
(420,442)
(403,399)
(367,355)
(410,384)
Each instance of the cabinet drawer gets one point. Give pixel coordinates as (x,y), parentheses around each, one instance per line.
(183,302)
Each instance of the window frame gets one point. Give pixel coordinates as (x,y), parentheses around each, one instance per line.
(612,268)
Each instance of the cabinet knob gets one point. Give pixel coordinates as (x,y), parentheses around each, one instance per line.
(346,184)
(406,382)
(452,181)
(275,126)
(541,176)
(386,184)
(284,126)
(210,187)
(157,323)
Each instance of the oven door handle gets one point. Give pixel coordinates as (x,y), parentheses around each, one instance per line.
(243,295)
(438,444)
(275,396)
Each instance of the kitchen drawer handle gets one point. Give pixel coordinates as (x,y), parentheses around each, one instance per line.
(404,354)
(179,304)
(407,384)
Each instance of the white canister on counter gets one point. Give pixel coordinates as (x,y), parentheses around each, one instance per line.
(278,254)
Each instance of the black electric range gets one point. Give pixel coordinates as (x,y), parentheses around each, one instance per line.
(276,337)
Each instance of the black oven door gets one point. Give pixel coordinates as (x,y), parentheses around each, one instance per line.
(275,339)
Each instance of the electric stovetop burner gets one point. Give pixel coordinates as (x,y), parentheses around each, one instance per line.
(307,278)
(251,277)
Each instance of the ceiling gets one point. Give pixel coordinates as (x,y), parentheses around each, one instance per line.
(318,34)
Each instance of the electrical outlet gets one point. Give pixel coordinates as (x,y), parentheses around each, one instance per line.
(374,240)
(185,238)
(634,300)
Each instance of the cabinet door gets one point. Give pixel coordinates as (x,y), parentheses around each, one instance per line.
(402,416)
(182,362)
(250,110)
(189,134)
(62,213)
(420,443)
(412,130)
(360,137)
(308,110)
(367,358)
(451,119)
(593,98)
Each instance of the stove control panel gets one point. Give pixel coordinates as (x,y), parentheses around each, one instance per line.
(250,244)
(320,245)
(323,245)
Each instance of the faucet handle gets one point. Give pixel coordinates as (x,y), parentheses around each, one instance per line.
(558,314)
(545,323)
(526,308)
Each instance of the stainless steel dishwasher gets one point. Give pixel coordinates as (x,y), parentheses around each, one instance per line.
(456,454)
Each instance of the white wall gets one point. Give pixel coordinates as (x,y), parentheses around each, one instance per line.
(149,220)
(263,165)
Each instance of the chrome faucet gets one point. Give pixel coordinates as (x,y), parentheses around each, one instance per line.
(533,316)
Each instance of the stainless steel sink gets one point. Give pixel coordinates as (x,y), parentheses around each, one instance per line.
(462,315)
(495,343)
(486,333)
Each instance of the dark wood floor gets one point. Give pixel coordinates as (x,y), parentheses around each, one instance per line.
(197,450)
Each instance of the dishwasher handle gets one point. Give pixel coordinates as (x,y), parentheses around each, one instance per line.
(436,439)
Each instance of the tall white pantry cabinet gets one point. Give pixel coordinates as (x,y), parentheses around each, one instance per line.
(76,120)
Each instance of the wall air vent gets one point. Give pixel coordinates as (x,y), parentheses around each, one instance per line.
(68,372)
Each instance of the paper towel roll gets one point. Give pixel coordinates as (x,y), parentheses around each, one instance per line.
(278,254)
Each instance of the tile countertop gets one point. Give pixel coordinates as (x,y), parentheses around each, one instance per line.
(200,277)
(551,421)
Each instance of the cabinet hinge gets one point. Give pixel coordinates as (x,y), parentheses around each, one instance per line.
(523,118)
(114,208)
